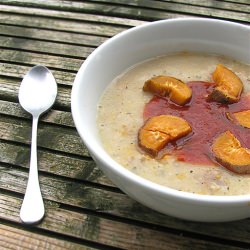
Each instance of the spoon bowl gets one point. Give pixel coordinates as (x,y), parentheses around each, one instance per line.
(38,90)
(37,94)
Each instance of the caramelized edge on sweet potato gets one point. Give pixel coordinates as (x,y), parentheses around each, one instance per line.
(228,86)
(167,86)
(230,154)
(243,118)
(158,131)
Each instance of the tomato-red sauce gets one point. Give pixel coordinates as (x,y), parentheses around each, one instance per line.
(208,119)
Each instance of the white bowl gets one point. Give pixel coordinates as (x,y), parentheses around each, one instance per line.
(133,46)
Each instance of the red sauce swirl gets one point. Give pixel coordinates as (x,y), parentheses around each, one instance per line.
(207,119)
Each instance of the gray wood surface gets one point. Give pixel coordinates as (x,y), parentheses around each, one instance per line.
(84,210)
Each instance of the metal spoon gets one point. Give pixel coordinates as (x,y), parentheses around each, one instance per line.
(37,94)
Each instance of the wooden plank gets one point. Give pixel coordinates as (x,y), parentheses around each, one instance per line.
(54,163)
(9,88)
(116,206)
(66,50)
(146,9)
(71,15)
(19,71)
(58,117)
(16,238)
(96,8)
(60,25)
(109,232)
(237,1)
(66,191)
(50,137)
(52,35)
(31,58)
(192,6)
(223,5)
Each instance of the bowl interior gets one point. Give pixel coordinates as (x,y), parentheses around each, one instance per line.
(141,43)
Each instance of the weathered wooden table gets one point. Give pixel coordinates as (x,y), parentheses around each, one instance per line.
(84,210)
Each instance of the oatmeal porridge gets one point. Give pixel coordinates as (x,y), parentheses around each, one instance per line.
(187,164)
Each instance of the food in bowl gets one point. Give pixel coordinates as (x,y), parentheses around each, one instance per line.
(179,120)
(130,48)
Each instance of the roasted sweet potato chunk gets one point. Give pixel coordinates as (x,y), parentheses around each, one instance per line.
(158,131)
(177,91)
(243,118)
(228,85)
(229,153)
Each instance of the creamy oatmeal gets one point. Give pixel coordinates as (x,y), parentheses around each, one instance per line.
(120,116)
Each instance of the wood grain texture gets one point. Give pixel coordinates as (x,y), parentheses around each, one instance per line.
(84,210)
(98,229)
(216,4)
(53,116)
(62,37)
(103,202)
(24,56)
(49,137)
(14,238)
(19,71)
(146,9)
(70,15)
(44,47)
(60,24)
(106,9)
(57,164)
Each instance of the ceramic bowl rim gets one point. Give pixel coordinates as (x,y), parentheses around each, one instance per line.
(103,157)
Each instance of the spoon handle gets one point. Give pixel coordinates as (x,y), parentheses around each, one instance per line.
(32,210)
